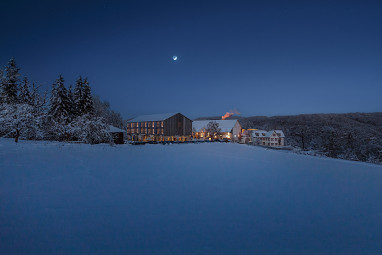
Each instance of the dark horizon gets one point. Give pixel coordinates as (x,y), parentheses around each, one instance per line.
(263,59)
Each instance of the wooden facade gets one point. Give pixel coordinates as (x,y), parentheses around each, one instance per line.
(160,127)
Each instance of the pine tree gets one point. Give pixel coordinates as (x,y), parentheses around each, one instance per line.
(10,84)
(77,97)
(25,95)
(87,100)
(72,106)
(59,102)
(2,79)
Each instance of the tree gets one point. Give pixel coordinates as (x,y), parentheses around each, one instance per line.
(24,95)
(59,102)
(90,129)
(102,109)
(87,100)
(78,97)
(2,81)
(20,120)
(213,130)
(10,83)
(72,106)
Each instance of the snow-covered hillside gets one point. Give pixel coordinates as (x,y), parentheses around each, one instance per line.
(58,198)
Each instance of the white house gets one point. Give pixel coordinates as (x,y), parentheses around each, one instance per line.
(273,138)
(230,129)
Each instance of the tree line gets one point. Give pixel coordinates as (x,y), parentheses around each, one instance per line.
(352,136)
(62,114)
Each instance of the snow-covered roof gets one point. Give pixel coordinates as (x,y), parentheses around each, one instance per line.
(113,129)
(153,117)
(225,125)
(280,133)
(260,132)
(267,133)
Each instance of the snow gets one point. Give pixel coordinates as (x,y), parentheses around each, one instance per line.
(113,129)
(209,198)
(225,125)
(153,117)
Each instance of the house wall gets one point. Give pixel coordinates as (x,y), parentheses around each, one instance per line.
(236,131)
(178,125)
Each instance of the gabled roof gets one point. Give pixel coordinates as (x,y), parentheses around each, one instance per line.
(280,133)
(267,133)
(225,125)
(113,129)
(153,117)
(261,132)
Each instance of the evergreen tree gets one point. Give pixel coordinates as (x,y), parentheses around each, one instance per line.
(1,86)
(87,100)
(59,102)
(72,105)
(10,84)
(25,95)
(77,97)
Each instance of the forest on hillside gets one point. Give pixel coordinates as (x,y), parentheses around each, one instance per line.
(352,136)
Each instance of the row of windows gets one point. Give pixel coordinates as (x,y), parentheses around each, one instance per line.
(145,124)
(158,131)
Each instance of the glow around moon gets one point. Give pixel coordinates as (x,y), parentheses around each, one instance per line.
(174,58)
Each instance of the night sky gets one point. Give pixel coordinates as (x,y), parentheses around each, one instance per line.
(259,57)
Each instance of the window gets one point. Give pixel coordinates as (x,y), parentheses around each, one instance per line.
(145,124)
(161,124)
(153,124)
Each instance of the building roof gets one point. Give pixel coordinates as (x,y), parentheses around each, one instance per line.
(280,133)
(261,132)
(225,125)
(113,129)
(153,117)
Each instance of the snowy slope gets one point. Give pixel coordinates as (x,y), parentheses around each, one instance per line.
(58,198)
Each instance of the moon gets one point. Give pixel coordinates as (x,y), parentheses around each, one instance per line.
(174,58)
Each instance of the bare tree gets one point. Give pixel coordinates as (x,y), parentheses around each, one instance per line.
(213,130)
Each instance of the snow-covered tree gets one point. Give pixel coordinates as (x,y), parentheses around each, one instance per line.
(71,103)
(102,109)
(77,96)
(2,80)
(90,129)
(87,100)
(20,120)
(59,102)
(10,83)
(24,94)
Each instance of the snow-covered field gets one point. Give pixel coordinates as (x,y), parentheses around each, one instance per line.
(58,198)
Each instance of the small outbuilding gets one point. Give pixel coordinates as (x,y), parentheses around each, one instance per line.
(116,134)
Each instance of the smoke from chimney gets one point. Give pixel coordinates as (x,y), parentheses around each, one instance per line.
(230,113)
